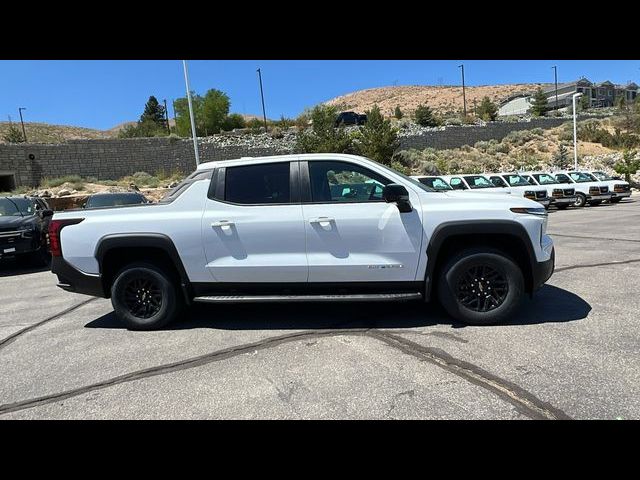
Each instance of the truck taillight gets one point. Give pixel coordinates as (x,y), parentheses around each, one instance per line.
(54,234)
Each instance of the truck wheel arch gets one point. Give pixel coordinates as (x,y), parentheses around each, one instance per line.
(154,243)
(508,236)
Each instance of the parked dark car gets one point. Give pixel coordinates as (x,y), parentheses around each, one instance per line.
(350,118)
(24,226)
(99,200)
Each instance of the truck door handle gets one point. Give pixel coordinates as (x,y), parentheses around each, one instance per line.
(321,220)
(222,224)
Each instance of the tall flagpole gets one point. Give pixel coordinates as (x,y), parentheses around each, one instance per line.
(193,123)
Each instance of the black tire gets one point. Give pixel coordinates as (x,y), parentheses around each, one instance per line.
(458,276)
(593,203)
(581,200)
(564,206)
(616,200)
(145,297)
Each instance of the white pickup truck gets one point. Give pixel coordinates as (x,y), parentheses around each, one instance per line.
(518,184)
(561,195)
(587,190)
(313,227)
(619,189)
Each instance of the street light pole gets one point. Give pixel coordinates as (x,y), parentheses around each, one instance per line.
(555,72)
(166,116)
(464,97)
(264,114)
(24,132)
(575,132)
(193,123)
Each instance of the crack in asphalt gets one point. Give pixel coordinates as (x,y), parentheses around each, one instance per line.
(603,264)
(595,238)
(525,402)
(11,338)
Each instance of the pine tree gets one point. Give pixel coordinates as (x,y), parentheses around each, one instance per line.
(378,140)
(398,113)
(424,116)
(539,103)
(154,112)
(585,102)
(629,164)
(487,111)
(561,158)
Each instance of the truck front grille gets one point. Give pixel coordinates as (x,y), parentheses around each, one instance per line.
(604,189)
(541,194)
(569,192)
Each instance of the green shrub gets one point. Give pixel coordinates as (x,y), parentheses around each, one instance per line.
(400,168)
(424,117)
(323,137)
(377,139)
(56,182)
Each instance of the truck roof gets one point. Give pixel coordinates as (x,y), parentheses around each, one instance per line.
(280,158)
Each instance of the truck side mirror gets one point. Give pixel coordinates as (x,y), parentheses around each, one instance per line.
(47,213)
(398,194)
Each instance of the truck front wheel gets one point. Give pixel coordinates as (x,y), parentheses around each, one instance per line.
(144,297)
(480,287)
(581,200)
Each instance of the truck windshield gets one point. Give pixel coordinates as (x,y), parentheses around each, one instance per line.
(602,176)
(580,177)
(516,180)
(16,207)
(478,181)
(545,178)
(436,183)
(413,181)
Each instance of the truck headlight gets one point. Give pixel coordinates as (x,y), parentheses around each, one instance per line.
(27,230)
(542,212)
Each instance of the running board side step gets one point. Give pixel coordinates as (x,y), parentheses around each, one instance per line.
(366,297)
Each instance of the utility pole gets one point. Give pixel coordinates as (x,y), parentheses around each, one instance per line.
(264,114)
(193,123)
(166,116)
(575,132)
(24,132)
(464,97)
(555,70)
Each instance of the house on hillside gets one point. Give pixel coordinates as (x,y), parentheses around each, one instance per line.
(604,94)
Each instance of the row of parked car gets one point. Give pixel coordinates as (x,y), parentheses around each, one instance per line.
(560,189)
(24,223)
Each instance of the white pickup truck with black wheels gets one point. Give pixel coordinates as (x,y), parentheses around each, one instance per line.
(313,228)
(561,195)
(619,189)
(587,191)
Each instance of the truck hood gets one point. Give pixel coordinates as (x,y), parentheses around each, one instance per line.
(489,200)
(12,221)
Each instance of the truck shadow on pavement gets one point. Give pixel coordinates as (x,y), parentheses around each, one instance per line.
(10,267)
(549,305)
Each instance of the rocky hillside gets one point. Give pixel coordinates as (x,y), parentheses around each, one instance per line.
(442,99)
(47,133)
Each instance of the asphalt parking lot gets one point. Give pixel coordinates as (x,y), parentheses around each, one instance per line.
(572,353)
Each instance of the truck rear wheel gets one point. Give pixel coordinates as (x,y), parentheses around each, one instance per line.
(480,287)
(144,297)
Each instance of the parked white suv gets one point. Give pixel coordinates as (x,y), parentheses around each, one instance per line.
(561,196)
(587,191)
(315,227)
(520,186)
(619,189)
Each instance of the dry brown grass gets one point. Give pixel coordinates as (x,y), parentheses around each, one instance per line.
(445,99)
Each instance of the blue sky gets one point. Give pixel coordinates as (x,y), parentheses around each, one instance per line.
(103,93)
